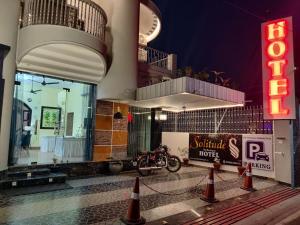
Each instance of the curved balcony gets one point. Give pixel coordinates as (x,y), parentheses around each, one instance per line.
(63,38)
(150,21)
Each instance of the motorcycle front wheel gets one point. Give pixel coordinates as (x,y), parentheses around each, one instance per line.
(142,164)
(174,164)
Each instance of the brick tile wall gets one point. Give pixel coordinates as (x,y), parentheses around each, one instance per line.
(111,135)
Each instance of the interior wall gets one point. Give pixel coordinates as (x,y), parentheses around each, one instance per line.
(54,97)
(111,135)
(47,97)
(74,104)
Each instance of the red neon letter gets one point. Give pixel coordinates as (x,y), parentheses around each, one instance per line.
(276,49)
(277,67)
(276,107)
(276,30)
(278,87)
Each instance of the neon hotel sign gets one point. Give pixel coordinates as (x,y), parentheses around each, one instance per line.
(278,69)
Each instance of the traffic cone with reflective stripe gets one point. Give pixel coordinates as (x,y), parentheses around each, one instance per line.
(133,213)
(209,194)
(248,184)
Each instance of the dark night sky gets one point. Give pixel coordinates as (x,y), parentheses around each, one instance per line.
(220,35)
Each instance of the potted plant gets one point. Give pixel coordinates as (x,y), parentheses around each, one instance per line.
(217,164)
(185,161)
(184,155)
(54,161)
(115,166)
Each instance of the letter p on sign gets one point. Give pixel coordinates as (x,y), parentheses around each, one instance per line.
(253,147)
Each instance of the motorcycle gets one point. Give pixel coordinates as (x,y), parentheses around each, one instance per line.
(156,160)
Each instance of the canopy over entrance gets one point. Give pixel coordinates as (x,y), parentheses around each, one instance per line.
(186,94)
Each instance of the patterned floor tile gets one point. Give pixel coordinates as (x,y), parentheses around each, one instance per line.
(6,201)
(103,201)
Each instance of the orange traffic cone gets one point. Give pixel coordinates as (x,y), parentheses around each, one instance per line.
(209,194)
(133,213)
(248,185)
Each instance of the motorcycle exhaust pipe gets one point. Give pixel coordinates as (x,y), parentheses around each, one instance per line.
(151,168)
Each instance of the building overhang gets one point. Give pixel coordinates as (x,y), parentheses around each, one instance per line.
(187,94)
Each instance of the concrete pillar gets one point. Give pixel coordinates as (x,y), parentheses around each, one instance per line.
(9,17)
(284,146)
(121,80)
(172,62)
(4,49)
(156,129)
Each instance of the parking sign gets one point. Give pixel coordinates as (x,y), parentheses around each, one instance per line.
(254,147)
(258,150)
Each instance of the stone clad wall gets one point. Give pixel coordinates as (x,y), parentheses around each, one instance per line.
(111,135)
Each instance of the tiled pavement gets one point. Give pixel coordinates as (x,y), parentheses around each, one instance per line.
(102,200)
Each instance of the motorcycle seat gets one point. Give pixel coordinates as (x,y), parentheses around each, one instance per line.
(159,151)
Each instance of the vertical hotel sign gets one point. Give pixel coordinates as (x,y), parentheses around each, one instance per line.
(278,69)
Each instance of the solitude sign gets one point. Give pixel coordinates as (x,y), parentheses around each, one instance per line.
(278,69)
(227,148)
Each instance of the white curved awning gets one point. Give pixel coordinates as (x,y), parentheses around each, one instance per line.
(187,94)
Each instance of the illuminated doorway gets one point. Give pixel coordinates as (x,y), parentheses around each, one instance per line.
(52,120)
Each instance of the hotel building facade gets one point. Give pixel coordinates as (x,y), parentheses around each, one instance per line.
(69,66)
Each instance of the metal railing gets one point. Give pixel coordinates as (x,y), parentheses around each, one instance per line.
(241,120)
(152,56)
(82,15)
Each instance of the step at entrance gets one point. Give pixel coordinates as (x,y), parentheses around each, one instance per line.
(31,177)
(28,172)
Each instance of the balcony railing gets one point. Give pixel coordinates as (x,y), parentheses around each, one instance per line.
(83,15)
(154,57)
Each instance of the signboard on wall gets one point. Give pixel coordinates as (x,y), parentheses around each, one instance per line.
(258,150)
(278,69)
(211,147)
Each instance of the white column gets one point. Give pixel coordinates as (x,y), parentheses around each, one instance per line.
(9,16)
(283,148)
(121,79)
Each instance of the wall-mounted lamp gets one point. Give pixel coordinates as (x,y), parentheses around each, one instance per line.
(118,115)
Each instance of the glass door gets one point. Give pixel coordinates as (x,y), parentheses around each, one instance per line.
(139,131)
(52,120)
(17,131)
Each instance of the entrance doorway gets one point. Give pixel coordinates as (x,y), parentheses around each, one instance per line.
(49,120)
